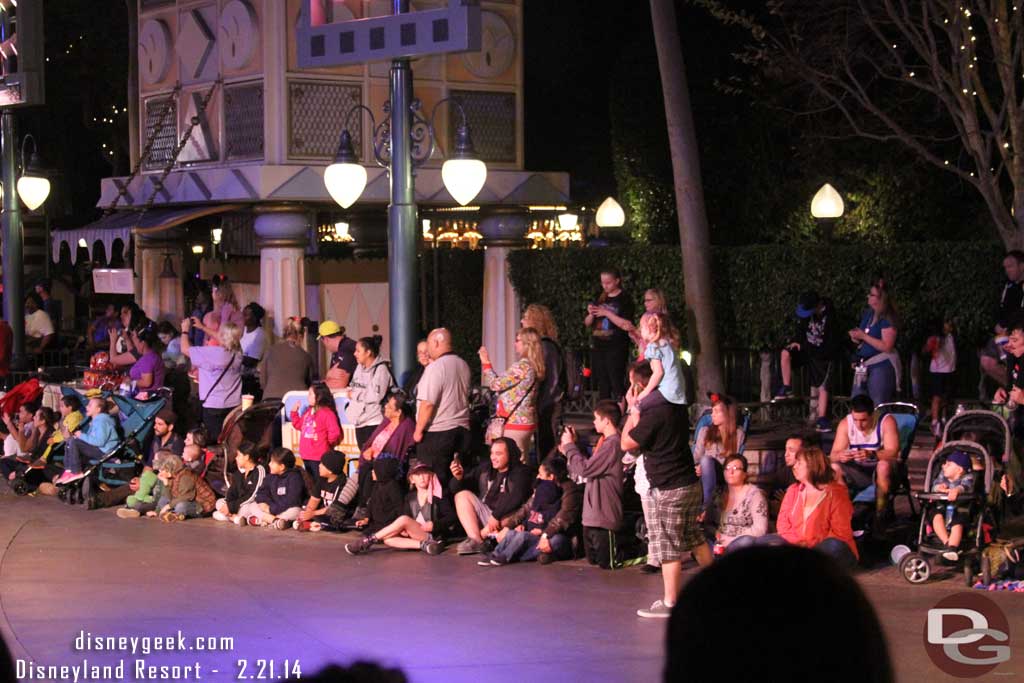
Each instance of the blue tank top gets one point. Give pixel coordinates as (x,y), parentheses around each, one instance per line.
(874,330)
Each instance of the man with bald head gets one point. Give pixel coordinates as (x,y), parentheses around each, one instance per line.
(442,406)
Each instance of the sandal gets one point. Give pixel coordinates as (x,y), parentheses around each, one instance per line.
(171,516)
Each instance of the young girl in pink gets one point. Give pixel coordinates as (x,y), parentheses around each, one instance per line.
(318,426)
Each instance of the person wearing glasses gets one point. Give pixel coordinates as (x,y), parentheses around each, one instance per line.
(741,509)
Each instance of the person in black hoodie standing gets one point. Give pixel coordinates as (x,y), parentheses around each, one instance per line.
(490,491)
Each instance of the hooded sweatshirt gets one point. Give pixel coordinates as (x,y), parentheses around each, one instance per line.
(319,431)
(367,390)
(547,499)
(602,502)
(386,493)
(282,491)
(243,488)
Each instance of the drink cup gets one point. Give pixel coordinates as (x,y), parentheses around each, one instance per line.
(247,401)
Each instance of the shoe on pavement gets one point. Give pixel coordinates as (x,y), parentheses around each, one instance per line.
(658,610)
(359,547)
(171,516)
(302,525)
(281,524)
(486,562)
(128,513)
(220,516)
(650,569)
(241,521)
(470,547)
(545,558)
(253,520)
(431,546)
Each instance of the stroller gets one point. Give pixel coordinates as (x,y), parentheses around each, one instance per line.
(117,467)
(985,437)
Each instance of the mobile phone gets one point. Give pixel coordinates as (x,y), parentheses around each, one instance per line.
(457,460)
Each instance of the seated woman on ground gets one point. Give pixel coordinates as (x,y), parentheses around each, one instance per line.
(280,498)
(717,441)
(428,518)
(816,512)
(741,508)
(387,494)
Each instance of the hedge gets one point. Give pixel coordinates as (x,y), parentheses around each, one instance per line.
(756,287)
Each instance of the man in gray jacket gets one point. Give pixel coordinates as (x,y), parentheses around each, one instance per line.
(602,502)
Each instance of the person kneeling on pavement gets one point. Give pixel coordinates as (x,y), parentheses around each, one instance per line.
(490,491)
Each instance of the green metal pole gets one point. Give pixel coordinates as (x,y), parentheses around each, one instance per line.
(402,219)
(13,239)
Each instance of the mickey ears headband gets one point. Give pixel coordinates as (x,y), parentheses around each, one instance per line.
(715,397)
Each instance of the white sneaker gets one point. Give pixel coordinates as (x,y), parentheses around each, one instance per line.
(220,516)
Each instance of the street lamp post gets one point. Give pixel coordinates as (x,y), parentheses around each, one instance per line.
(399,37)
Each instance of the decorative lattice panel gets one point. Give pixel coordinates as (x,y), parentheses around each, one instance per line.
(238,238)
(243,120)
(492,123)
(316,113)
(162,149)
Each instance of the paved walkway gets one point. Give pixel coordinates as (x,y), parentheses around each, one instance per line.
(289,596)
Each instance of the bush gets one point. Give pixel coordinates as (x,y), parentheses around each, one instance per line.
(756,287)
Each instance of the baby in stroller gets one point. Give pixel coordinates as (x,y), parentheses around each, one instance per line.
(954,479)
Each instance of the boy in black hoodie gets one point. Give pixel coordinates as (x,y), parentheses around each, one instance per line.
(282,494)
(245,483)
(488,492)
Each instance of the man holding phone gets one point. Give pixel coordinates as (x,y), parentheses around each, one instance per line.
(866,449)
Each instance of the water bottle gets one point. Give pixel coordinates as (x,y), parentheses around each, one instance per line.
(950,509)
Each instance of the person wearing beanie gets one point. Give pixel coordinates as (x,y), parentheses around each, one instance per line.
(324,505)
(956,480)
(539,529)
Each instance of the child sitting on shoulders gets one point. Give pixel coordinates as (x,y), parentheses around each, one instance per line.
(280,497)
(427,520)
(667,383)
(240,499)
(184,494)
(955,479)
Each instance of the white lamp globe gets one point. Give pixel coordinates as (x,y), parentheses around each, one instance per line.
(464,178)
(345,182)
(33,190)
(827,203)
(610,214)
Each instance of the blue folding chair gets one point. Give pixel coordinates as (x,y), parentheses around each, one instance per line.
(907,418)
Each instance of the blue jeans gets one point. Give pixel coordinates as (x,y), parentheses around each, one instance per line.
(521,546)
(880,384)
(833,547)
(188,508)
(709,468)
(75,451)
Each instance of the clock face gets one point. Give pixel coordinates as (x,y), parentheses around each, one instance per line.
(239,34)
(154,51)
(497,47)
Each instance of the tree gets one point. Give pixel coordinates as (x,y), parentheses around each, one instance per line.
(693,222)
(939,77)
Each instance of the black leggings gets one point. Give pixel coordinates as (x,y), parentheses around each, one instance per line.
(609,371)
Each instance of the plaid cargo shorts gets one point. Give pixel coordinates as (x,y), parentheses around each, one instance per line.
(672,526)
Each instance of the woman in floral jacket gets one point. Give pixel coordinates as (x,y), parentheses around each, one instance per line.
(516,389)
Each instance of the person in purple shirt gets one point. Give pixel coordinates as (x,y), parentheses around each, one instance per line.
(220,374)
(148,371)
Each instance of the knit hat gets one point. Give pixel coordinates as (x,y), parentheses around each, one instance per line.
(333,461)
(960,458)
(806,304)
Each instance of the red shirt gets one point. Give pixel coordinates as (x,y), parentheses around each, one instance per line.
(319,432)
(829,519)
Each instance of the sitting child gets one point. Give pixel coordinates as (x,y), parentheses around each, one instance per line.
(327,490)
(955,479)
(149,492)
(241,494)
(184,494)
(427,520)
(527,540)
(280,497)
(386,494)
(193,458)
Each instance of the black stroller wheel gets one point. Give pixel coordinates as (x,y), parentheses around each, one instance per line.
(969,572)
(915,568)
